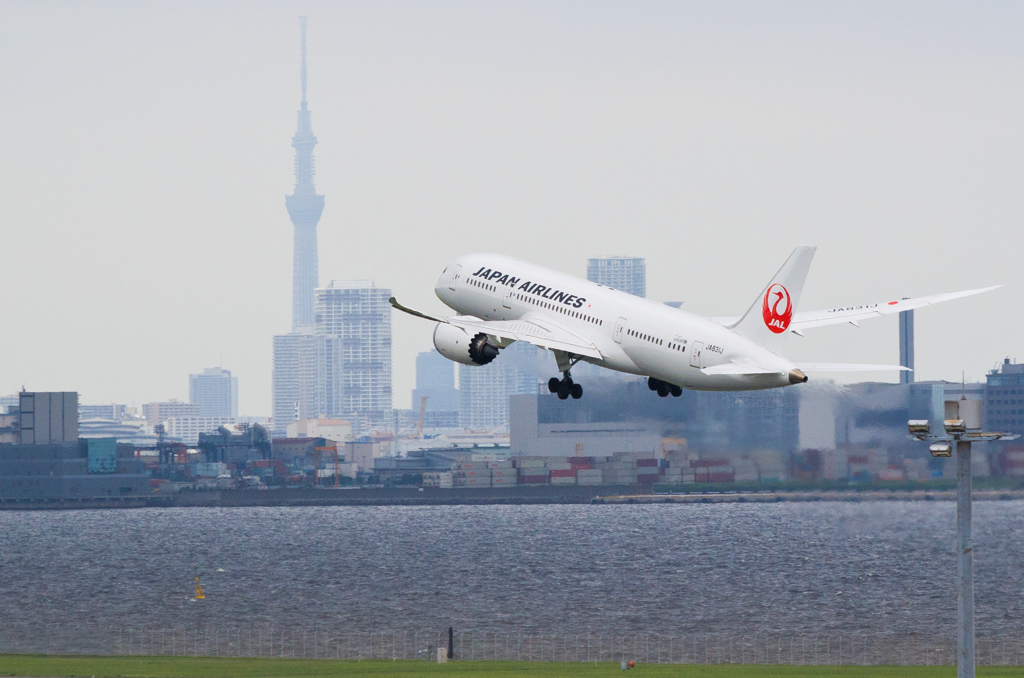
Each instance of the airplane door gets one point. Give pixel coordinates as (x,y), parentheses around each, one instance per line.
(697,355)
(456,274)
(620,324)
(507,303)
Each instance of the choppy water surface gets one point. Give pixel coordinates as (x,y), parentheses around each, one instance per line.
(726,568)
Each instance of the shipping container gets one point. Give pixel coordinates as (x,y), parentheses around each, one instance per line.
(647,478)
(697,463)
(504,480)
(589,481)
(533,480)
(563,473)
(556,466)
(563,480)
(646,462)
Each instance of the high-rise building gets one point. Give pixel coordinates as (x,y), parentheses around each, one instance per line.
(435,379)
(484,390)
(354,371)
(294,378)
(907,346)
(215,391)
(304,208)
(628,274)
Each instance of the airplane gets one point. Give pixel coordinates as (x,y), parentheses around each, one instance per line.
(500,300)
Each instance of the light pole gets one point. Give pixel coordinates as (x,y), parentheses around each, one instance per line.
(962,425)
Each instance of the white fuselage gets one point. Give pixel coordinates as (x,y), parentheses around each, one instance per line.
(634,335)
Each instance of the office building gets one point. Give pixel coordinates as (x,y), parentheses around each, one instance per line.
(435,379)
(354,367)
(215,391)
(484,391)
(628,274)
(907,346)
(155,413)
(187,429)
(113,412)
(304,209)
(1004,398)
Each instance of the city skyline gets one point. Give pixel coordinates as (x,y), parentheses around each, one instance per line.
(440,127)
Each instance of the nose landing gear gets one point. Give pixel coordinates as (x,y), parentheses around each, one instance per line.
(565,387)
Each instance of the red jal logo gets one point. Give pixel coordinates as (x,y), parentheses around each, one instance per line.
(777,309)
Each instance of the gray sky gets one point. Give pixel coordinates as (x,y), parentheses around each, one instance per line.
(145,154)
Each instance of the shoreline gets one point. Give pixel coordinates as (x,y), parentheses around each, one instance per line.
(510,496)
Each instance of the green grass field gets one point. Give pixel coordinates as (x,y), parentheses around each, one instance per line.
(203,667)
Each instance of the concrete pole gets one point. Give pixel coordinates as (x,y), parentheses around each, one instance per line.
(965,564)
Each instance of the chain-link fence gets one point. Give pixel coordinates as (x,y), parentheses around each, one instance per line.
(823,649)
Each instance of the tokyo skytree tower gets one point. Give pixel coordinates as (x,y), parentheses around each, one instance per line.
(304,208)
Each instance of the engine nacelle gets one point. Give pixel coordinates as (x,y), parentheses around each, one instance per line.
(455,344)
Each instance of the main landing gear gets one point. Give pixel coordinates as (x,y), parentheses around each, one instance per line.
(565,387)
(664,388)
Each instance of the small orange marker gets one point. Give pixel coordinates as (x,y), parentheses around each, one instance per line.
(199,590)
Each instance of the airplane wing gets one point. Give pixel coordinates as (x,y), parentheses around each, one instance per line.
(803,320)
(535,330)
(848,367)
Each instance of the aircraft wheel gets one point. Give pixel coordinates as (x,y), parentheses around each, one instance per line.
(662,389)
(554,383)
(577,391)
(563,391)
(676,391)
(653,383)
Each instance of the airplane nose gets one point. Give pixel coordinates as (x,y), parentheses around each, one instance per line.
(797,377)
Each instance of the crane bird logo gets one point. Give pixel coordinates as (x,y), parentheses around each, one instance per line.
(777,309)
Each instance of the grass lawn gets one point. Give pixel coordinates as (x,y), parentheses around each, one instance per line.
(204,667)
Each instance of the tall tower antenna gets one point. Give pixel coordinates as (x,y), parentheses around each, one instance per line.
(302,25)
(304,208)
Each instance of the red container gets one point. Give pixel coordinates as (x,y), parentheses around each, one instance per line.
(647,478)
(695,463)
(581,461)
(645,463)
(701,478)
(558,473)
(721,477)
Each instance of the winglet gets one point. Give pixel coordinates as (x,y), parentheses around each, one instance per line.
(404,309)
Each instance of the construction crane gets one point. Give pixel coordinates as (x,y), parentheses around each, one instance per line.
(423,414)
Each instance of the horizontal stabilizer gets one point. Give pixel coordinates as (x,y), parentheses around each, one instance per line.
(851,314)
(849,367)
(736,368)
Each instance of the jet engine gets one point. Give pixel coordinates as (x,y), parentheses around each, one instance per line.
(455,344)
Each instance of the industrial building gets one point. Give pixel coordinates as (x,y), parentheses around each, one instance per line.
(537,429)
(628,274)
(50,461)
(187,429)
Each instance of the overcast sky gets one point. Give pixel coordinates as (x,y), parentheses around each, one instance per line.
(145,155)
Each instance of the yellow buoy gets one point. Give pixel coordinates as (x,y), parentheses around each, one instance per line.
(199,590)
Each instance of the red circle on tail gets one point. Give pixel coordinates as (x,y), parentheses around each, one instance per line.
(777,309)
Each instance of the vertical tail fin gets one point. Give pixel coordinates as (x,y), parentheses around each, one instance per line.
(768,318)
